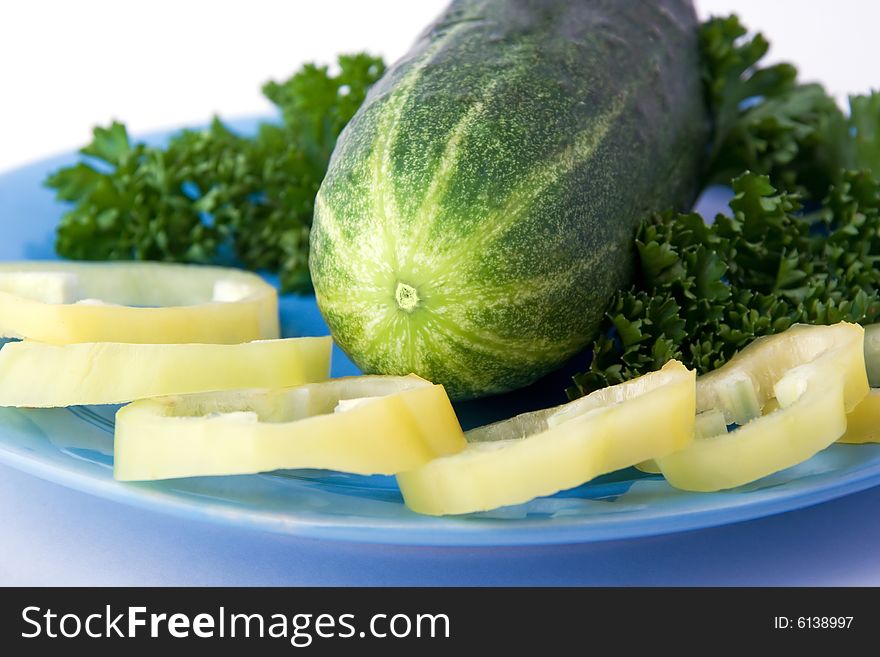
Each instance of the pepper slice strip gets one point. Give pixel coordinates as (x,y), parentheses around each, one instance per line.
(397,423)
(863,424)
(37,375)
(708,423)
(816,374)
(141,302)
(541,453)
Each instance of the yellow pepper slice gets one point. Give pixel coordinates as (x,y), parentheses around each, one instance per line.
(396,423)
(816,374)
(541,453)
(863,424)
(141,302)
(37,375)
(707,423)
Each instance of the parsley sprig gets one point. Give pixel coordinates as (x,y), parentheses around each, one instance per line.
(706,291)
(766,122)
(214,196)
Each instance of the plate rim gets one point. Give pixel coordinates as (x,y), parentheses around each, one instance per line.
(455,532)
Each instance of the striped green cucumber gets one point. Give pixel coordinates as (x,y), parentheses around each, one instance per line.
(479,210)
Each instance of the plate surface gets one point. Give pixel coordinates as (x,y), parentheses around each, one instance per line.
(73,447)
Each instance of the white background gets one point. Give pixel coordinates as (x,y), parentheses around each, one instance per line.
(67,65)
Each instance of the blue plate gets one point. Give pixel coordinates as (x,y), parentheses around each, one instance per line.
(73,447)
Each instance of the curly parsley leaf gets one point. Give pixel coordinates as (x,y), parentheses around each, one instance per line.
(767,122)
(213,195)
(316,106)
(703,291)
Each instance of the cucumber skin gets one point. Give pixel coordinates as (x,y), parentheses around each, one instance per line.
(500,170)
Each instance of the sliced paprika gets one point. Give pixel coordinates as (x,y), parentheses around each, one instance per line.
(135,302)
(397,423)
(546,451)
(815,374)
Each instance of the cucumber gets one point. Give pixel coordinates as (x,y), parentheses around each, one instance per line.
(479,210)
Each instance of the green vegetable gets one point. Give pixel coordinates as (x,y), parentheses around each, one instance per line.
(766,122)
(479,211)
(864,130)
(705,292)
(213,195)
